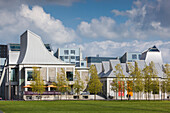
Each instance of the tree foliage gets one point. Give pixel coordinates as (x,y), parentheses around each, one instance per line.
(94,85)
(62,82)
(37,83)
(167,78)
(78,83)
(120,79)
(150,78)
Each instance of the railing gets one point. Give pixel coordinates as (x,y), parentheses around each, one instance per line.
(44,93)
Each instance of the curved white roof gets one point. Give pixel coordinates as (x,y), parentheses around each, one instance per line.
(33,51)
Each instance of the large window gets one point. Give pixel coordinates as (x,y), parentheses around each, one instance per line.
(13,75)
(77,58)
(82,64)
(77,64)
(134,56)
(69,76)
(66,52)
(72,57)
(66,57)
(29,75)
(73,52)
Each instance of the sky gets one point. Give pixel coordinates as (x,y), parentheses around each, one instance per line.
(104,27)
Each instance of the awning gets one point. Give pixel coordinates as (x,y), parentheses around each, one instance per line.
(27,86)
(51,86)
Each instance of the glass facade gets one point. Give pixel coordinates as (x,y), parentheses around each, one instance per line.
(66,52)
(134,56)
(73,52)
(16,47)
(69,76)
(99,59)
(13,75)
(29,75)
(70,55)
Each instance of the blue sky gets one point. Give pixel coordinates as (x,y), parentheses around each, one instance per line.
(104,27)
(71,16)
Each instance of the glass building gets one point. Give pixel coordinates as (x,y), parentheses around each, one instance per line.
(130,57)
(71,55)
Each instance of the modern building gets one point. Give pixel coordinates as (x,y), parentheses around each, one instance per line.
(3,56)
(71,55)
(106,70)
(31,52)
(93,60)
(130,57)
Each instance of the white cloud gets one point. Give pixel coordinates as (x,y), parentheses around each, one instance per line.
(98,27)
(117,49)
(146,20)
(13,24)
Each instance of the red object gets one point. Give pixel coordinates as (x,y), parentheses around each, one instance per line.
(119,91)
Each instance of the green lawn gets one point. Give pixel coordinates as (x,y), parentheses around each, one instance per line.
(85,106)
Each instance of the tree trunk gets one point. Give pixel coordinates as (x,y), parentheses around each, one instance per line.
(121,94)
(116,94)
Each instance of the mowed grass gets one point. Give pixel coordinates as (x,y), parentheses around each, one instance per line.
(85,106)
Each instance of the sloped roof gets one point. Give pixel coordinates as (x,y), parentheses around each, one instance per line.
(33,51)
(114,63)
(98,67)
(106,66)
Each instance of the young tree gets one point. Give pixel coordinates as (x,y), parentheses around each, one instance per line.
(138,87)
(62,83)
(155,86)
(130,83)
(78,83)
(120,78)
(147,81)
(37,83)
(167,78)
(94,85)
(115,86)
(150,74)
(154,80)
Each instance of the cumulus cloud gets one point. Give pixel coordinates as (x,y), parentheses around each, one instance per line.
(12,24)
(102,27)
(146,20)
(117,49)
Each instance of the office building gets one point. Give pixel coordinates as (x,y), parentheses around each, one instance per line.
(71,55)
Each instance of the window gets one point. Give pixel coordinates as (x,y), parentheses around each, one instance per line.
(66,57)
(82,64)
(29,76)
(69,76)
(77,58)
(129,60)
(77,64)
(139,56)
(66,52)
(134,56)
(62,58)
(73,52)
(72,57)
(13,75)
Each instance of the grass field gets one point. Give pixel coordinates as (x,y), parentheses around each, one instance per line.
(85,106)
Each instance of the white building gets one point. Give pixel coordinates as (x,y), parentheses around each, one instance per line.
(19,67)
(106,73)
